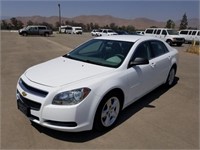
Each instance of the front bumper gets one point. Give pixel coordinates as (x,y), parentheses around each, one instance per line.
(73,118)
(178,40)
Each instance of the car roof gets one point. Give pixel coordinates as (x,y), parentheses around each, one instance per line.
(129,38)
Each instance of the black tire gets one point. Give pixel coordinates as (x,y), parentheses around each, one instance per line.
(171,76)
(179,44)
(24,34)
(46,34)
(169,42)
(108,112)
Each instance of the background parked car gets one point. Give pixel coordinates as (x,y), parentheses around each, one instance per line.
(190,35)
(171,36)
(106,32)
(35,30)
(95,32)
(121,32)
(140,32)
(71,30)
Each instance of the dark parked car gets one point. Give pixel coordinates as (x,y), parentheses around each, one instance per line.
(35,30)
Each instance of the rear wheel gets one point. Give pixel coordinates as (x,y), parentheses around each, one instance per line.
(46,34)
(179,44)
(171,77)
(107,112)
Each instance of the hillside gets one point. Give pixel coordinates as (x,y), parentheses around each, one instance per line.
(139,23)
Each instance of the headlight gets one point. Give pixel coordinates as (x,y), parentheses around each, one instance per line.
(71,97)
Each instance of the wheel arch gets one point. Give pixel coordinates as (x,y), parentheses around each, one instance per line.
(116,91)
(119,92)
(174,66)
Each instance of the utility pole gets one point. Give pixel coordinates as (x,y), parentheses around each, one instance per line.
(59,18)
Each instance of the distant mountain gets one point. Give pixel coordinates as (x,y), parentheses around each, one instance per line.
(139,23)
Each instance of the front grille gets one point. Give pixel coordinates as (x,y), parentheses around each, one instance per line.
(33,105)
(32,90)
(62,124)
(179,39)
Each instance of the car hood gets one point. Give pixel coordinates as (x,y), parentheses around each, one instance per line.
(62,71)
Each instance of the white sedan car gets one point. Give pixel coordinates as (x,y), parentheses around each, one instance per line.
(106,32)
(88,87)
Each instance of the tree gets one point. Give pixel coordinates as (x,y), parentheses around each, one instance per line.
(113,26)
(57,25)
(14,23)
(184,22)
(19,24)
(96,26)
(170,24)
(130,28)
(4,25)
(30,22)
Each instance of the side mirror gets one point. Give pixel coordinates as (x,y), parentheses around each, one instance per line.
(138,61)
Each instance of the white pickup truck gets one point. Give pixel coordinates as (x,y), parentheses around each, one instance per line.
(171,36)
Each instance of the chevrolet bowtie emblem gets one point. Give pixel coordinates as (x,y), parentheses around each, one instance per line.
(24,93)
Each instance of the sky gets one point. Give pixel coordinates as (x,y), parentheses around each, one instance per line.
(128,9)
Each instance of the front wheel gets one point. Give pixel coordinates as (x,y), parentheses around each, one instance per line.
(107,112)
(169,42)
(24,34)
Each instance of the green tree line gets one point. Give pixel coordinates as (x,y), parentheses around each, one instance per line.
(15,24)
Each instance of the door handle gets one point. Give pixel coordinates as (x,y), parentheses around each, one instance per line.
(153,64)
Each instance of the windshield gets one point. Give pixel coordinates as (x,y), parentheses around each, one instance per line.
(110,31)
(108,53)
(78,28)
(172,32)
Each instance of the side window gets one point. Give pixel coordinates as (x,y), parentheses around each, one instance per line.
(158,32)
(158,48)
(150,31)
(164,32)
(194,32)
(33,29)
(41,28)
(142,51)
(198,33)
(184,32)
(154,32)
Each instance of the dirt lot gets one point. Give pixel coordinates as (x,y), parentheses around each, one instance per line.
(164,119)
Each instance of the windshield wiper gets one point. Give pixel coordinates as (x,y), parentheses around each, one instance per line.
(92,62)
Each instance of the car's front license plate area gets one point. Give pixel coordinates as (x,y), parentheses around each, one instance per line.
(23,108)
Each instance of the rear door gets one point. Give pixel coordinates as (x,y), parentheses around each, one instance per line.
(160,61)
